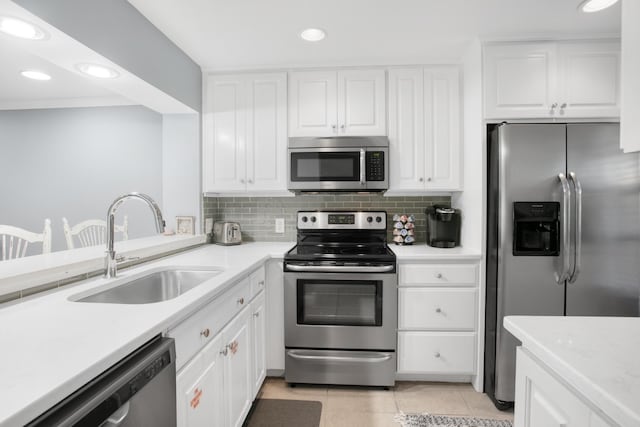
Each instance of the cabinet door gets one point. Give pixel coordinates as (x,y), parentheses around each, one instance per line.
(406,129)
(224,134)
(519,80)
(312,103)
(238,368)
(630,78)
(442,129)
(589,79)
(199,389)
(361,102)
(258,333)
(266,132)
(542,400)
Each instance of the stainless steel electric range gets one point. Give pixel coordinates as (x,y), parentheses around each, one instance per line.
(340,295)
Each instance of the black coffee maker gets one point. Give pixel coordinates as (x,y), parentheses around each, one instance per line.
(443,226)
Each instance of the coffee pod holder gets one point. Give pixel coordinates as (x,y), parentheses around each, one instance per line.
(403,229)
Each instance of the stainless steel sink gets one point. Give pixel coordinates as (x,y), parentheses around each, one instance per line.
(157,286)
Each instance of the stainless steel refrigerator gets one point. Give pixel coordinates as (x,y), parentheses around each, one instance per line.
(563,232)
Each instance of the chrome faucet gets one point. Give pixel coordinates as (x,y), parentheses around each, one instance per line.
(110,262)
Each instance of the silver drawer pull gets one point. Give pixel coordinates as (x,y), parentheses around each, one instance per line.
(439,275)
(224,351)
(438,310)
(241,300)
(257,314)
(205,333)
(261,283)
(436,354)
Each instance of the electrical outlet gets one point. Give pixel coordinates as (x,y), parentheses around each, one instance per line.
(279,225)
(208,225)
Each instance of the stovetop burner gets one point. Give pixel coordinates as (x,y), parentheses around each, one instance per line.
(341,237)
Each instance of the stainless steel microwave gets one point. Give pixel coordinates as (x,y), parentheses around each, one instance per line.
(345,163)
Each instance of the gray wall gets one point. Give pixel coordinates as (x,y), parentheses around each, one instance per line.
(257,215)
(74,162)
(116,30)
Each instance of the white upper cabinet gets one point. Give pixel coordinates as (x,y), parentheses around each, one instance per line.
(552,80)
(424,129)
(630,109)
(244,134)
(337,103)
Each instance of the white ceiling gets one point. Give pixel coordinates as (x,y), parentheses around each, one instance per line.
(65,89)
(240,34)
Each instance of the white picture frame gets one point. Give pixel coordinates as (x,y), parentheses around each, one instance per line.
(185,225)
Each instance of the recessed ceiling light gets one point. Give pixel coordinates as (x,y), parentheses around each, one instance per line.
(595,5)
(19,28)
(98,71)
(35,75)
(313,34)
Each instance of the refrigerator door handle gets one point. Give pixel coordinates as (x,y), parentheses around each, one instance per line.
(577,247)
(566,226)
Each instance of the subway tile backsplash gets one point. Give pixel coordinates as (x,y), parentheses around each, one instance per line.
(257,215)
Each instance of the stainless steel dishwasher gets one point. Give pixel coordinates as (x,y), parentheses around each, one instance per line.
(140,390)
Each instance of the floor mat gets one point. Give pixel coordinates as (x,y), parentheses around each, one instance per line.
(426,420)
(284,413)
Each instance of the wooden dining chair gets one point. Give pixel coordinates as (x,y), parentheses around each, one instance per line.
(91,232)
(14,241)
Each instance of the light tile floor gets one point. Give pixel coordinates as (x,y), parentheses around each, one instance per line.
(372,407)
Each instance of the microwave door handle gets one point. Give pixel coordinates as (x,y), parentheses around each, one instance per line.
(578,225)
(565,224)
(362,166)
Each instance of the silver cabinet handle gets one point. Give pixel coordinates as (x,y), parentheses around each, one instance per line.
(256,314)
(421,179)
(333,127)
(564,105)
(250,181)
(566,225)
(367,359)
(436,354)
(338,268)
(261,283)
(205,333)
(577,249)
(342,128)
(362,166)
(241,300)
(438,310)
(241,180)
(439,276)
(429,179)
(224,351)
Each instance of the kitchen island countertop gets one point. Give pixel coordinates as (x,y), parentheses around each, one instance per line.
(597,356)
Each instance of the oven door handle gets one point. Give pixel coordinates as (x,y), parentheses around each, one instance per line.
(374,358)
(339,268)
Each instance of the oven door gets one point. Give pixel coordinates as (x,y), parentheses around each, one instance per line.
(342,311)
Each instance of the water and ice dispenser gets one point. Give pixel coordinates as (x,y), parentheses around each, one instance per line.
(536,228)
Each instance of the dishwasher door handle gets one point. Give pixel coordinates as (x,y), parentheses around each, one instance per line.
(117,417)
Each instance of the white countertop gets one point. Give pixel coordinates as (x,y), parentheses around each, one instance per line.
(598,356)
(50,346)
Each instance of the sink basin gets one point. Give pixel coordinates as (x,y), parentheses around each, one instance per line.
(156,286)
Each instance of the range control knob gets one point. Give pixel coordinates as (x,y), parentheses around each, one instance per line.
(313,219)
(378,219)
(304,219)
(369,219)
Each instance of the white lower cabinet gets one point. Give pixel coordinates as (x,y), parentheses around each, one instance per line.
(238,363)
(258,336)
(221,368)
(542,400)
(198,386)
(437,319)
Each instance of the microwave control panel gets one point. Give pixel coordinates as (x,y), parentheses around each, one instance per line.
(375,165)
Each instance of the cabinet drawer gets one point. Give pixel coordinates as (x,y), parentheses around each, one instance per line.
(199,329)
(257,279)
(436,353)
(448,309)
(438,274)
